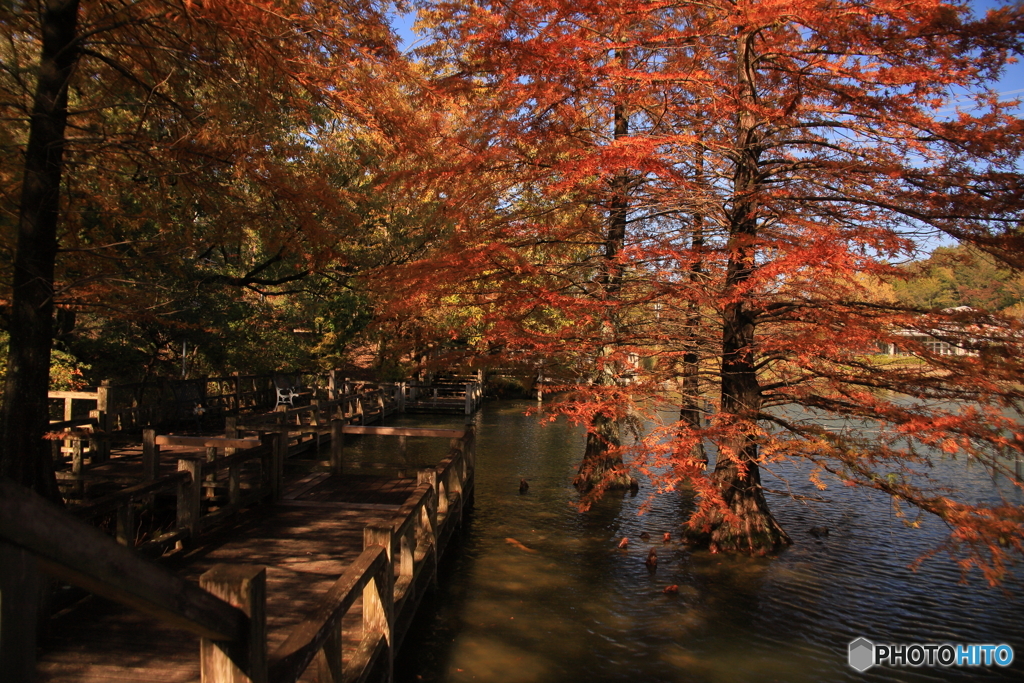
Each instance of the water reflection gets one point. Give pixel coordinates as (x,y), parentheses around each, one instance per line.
(577,608)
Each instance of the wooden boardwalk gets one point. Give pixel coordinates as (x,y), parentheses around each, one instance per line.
(319,543)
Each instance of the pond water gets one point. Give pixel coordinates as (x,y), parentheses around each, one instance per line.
(577,608)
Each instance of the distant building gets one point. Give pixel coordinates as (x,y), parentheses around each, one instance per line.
(956,339)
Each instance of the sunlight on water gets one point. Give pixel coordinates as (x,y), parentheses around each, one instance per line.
(575,608)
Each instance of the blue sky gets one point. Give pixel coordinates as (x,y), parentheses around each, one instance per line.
(1011,84)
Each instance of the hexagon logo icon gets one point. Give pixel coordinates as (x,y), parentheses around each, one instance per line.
(862,654)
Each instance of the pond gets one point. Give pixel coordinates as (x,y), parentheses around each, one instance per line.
(572,606)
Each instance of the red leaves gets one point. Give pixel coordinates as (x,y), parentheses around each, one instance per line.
(700,205)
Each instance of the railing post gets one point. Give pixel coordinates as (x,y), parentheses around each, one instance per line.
(469,399)
(150,455)
(106,421)
(379,597)
(428,515)
(230,430)
(330,666)
(20,587)
(125,531)
(442,499)
(277,465)
(77,465)
(245,587)
(315,414)
(407,556)
(189,497)
(337,446)
(210,480)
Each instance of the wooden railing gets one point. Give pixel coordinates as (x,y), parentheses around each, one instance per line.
(458,397)
(222,464)
(90,439)
(228,608)
(37,536)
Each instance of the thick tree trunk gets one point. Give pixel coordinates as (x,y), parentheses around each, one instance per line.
(602,468)
(741,521)
(744,524)
(25,457)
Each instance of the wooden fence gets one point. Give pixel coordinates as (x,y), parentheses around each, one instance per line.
(227,609)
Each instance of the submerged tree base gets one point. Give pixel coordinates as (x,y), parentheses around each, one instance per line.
(602,468)
(740,521)
(612,479)
(757,534)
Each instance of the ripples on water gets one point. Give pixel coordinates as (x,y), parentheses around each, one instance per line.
(579,609)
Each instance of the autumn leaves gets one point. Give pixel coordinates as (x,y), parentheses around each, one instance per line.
(662,202)
(695,195)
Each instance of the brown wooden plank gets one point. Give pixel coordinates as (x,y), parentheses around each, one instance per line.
(84,395)
(206,442)
(305,485)
(83,555)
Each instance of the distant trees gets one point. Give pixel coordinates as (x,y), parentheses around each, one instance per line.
(960,276)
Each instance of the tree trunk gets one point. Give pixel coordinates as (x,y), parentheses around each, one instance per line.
(25,457)
(743,523)
(602,467)
(691,414)
(691,400)
(740,520)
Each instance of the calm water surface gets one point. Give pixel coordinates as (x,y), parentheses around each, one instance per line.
(577,609)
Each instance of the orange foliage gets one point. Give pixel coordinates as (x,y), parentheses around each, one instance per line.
(779,156)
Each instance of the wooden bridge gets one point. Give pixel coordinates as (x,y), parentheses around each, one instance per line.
(326,568)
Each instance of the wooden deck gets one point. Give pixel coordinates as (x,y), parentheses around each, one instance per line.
(319,528)
(305,549)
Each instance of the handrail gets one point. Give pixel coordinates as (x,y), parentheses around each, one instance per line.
(79,553)
(206,441)
(290,660)
(112,501)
